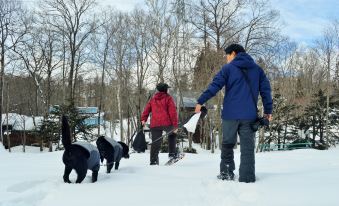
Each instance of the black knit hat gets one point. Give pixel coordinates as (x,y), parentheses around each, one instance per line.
(234,48)
(162,87)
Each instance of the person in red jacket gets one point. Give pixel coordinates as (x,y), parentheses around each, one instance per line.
(164,118)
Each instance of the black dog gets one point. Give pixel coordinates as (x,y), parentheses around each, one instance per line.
(79,156)
(112,151)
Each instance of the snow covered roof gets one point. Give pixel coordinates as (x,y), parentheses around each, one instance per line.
(21,122)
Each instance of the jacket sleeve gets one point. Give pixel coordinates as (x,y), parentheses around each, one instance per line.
(145,113)
(265,93)
(172,111)
(219,81)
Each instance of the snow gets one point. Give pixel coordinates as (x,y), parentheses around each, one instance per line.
(301,177)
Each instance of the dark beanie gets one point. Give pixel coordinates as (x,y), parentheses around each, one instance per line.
(162,87)
(237,48)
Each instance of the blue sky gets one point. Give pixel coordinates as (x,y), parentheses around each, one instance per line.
(302,20)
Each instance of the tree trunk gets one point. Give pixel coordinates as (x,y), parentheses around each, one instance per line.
(128,125)
(24,142)
(2,69)
(328,98)
(8,138)
(314,132)
(120,113)
(321,130)
(102,90)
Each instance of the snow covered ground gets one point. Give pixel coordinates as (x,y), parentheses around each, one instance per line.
(301,178)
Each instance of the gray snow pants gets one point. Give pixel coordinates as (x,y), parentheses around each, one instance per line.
(230,130)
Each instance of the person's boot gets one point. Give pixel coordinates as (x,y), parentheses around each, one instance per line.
(172,155)
(226,175)
(155,162)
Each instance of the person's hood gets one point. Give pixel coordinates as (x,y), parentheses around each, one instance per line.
(243,60)
(160,95)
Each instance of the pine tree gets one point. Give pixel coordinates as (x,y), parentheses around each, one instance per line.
(50,132)
(79,129)
(315,115)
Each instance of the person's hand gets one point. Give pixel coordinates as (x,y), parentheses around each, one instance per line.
(143,123)
(175,131)
(268,116)
(197,108)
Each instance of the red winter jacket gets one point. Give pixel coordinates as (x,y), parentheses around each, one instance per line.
(163,111)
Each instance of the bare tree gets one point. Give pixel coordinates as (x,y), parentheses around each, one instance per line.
(50,45)
(218,19)
(31,52)
(120,66)
(142,41)
(327,47)
(102,44)
(11,31)
(71,21)
(336,36)
(162,29)
(260,32)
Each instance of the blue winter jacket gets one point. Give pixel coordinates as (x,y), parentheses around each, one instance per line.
(238,102)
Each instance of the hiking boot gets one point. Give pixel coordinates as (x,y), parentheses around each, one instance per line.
(155,162)
(226,176)
(173,155)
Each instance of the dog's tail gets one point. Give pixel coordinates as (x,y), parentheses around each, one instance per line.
(65,133)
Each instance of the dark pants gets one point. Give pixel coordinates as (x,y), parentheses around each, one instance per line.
(247,144)
(156,132)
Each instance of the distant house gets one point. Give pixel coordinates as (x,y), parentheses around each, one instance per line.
(92,112)
(22,129)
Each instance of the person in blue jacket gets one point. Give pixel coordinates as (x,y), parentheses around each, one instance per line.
(239,111)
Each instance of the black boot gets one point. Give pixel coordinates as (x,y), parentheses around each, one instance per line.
(227,174)
(172,155)
(155,161)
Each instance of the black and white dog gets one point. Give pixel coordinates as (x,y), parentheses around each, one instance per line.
(112,151)
(79,156)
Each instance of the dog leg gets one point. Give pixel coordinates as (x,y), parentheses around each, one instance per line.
(109,167)
(68,171)
(117,165)
(81,176)
(94,176)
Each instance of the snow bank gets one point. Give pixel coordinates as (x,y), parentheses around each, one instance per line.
(301,178)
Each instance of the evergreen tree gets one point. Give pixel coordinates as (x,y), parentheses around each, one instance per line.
(281,127)
(79,129)
(50,132)
(315,115)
